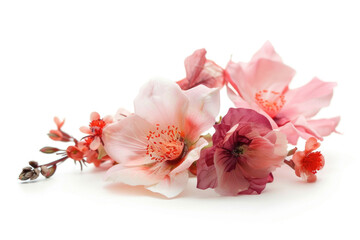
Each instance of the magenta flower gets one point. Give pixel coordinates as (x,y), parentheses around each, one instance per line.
(200,70)
(156,145)
(262,85)
(245,151)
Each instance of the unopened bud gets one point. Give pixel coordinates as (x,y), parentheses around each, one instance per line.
(27,169)
(49,150)
(34,164)
(35,175)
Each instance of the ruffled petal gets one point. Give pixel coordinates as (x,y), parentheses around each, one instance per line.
(230,178)
(172,185)
(194,64)
(307,100)
(161,102)
(126,141)
(203,108)
(206,172)
(311,145)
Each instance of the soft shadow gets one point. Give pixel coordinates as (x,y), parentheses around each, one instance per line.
(123,189)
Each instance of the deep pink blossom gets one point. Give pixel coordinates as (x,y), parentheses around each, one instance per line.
(262,85)
(200,70)
(157,144)
(245,151)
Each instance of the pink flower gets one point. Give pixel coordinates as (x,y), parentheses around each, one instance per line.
(245,151)
(262,84)
(58,134)
(157,144)
(94,139)
(308,162)
(200,70)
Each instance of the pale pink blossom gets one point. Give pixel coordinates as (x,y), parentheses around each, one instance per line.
(157,144)
(200,70)
(245,151)
(262,84)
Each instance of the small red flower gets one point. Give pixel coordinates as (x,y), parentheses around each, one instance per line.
(74,153)
(307,162)
(94,131)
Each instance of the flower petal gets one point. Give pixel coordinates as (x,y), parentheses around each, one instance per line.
(94,116)
(95,144)
(267,51)
(203,108)
(324,127)
(137,175)
(194,64)
(206,172)
(231,180)
(192,156)
(161,102)
(126,141)
(311,145)
(172,185)
(85,130)
(121,114)
(307,100)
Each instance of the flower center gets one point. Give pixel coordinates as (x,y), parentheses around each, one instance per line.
(241,145)
(97,126)
(313,162)
(165,143)
(270,101)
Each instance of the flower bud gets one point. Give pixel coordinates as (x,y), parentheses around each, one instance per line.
(34,164)
(49,150)
(35,175)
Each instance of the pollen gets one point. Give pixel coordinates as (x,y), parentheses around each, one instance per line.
(165,143)
(270,101)
(313,162)
(97,126)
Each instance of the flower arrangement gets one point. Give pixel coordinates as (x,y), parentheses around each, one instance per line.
(164,142)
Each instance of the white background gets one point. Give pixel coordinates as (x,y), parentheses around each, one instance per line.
(69,58)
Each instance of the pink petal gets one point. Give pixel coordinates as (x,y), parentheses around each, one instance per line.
(311,145)
(307,100)
(172,185)
(206,172)
(161,102)
(85,130)
(95,144)
(192,156)
(108,119)
(121,114)
(126,141)
(230,181)
(267,51)
(194,65)
(203,108)
(212,75)
(94,116)
(137,175)
(269,75)
(324,127)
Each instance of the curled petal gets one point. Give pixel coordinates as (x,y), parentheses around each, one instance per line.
(172,185)
(324,127)
(203,108)
(307,100)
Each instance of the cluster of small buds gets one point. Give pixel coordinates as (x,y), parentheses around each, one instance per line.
(33,171)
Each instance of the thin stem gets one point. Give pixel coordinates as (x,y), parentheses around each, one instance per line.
(290,163)
(55,162)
